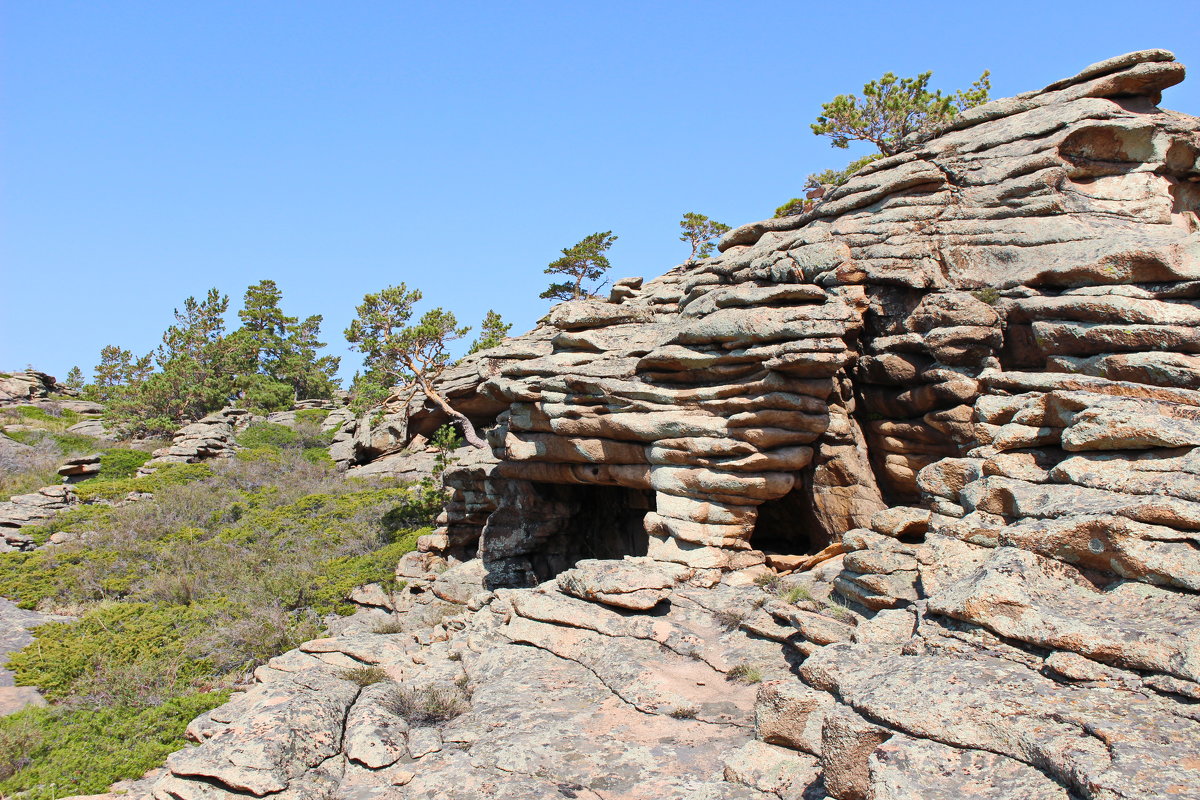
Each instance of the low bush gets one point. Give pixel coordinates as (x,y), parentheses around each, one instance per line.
(425,704)
(68,444)
(54,417)
(117,463)
(231,564)
(163,477)
(365,676)
(744,673)
(311,416)
(67,750)
(112,642)
(268,434)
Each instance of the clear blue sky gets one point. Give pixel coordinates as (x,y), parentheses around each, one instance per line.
(150,150)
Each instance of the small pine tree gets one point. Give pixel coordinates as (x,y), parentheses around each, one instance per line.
(586,260)
(408,356)
(74,380)
(491,333)
(892,109)
(701,232)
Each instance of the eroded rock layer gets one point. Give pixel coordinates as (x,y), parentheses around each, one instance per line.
(968,381)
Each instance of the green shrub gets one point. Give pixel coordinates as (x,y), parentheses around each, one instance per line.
(797,594)
(68,751)
(75,518)
(19,737)
(989,295)
(117,463)
(28,578)
(311,416)
(110,639)
(319,456)
(744,673)
(64,417)
(163,477)
(339,576)
(268,434)
(69,443)
(263,394)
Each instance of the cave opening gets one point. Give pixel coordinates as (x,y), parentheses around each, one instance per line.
(602,522)
(787,525)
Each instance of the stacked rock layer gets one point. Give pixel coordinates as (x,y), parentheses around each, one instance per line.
(783,392)
(969,380)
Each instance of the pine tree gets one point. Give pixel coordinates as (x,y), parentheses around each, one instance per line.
(892,109)
(583,261)
(701,232)
(491,333)
(408,357)
(74,380)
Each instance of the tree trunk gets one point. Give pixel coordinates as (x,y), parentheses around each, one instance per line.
(464,424)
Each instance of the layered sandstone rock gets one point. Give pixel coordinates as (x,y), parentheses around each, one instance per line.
(23,387)
(967,381)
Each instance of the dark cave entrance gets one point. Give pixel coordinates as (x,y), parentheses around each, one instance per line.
(787,526)
(602,522)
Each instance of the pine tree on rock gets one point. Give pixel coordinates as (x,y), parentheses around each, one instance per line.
(408,357)
(892,109)
(586,260)
(492,333)
(701,232)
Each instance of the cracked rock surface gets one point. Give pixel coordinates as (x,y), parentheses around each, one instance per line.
(897,498)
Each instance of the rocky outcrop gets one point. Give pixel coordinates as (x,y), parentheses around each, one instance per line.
(23,387)
(213,436)
(35,508)
(960,392)
(78,468)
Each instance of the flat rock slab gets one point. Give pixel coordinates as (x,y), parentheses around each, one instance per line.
(634,584)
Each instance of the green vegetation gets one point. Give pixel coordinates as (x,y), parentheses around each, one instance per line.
(798,594)
(893,114)
(47,753)
(365,676)
(744,673)
(179,598)
(586,260)
(409,357)
(492,332)
(48,417)
(989,295)
(74,380)
(893,109)
(264,365)
(426,704)
(101,488)
(701,233)
(117,463)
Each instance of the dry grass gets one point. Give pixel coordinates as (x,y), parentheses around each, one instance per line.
(425,704)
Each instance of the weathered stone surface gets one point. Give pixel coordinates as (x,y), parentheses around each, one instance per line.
(626,584)
(903,768)
(957,399)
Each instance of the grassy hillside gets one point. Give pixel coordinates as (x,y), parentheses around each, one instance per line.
(180,597)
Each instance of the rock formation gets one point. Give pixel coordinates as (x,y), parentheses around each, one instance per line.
(22,387)
(34,508)
(968,380)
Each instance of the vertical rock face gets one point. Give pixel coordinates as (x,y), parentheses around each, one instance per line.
(967,384)
(1011,282)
